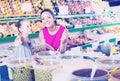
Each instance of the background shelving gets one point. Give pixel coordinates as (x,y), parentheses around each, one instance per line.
(6,19)
(85,13)
(9,39)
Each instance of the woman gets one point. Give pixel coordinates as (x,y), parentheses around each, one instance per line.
(53,34)
(22,41)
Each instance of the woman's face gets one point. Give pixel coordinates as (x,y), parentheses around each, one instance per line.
(47,19)
(26,27)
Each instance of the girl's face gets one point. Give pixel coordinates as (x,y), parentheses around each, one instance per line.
(0,35)
(25,27)
(47,19)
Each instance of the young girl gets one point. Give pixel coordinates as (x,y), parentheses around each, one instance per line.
(22,41)
(53,34)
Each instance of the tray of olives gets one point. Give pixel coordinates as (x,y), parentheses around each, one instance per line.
(109,62)
(70,56)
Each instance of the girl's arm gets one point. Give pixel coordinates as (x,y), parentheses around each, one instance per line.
(18,41)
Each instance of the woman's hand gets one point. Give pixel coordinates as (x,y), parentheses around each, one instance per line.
(18,41)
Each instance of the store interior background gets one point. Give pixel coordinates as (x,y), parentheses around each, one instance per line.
(96,20)
(97,24)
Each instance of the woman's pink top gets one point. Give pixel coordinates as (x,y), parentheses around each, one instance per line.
(53,40)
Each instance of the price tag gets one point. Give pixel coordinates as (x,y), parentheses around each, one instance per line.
(113,50)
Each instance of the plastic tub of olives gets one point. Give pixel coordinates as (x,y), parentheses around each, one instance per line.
(20,70)
(45,63)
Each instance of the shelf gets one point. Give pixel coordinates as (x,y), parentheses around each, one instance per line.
(7,39)
(11,39)
(87,46)
(84,15)
(35,35)
(94,26)
(18,18)
(58,16)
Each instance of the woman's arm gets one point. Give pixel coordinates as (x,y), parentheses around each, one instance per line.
(64,39)
(42,41)
(41,37)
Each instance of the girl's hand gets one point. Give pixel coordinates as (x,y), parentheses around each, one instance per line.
(34,56)
(17,41)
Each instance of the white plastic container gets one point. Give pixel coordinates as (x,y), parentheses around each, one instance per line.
(115,76)
(84,75)
(43,69)
(20,70)
(61,75)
